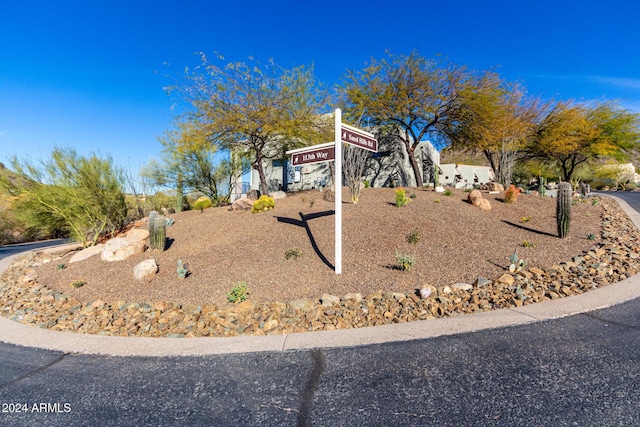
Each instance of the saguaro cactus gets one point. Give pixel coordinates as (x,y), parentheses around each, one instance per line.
(157,230)
(563,209)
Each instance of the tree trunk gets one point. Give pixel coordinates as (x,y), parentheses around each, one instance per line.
(264,189)
(417,173)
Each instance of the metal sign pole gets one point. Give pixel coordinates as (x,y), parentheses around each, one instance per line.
(337,186)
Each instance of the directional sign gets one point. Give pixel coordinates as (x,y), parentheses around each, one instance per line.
(359,138)
(313,155)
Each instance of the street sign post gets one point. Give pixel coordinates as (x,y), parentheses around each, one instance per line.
(359,138)
(316,154)
(333,151)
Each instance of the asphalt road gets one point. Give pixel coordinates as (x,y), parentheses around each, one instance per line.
(9,250)
(580,370)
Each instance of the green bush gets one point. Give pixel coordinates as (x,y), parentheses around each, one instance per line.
(238,293)
(69,194)
(404,261)
(414,236)
(401,197)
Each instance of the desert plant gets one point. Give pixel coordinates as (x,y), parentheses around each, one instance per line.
(238,293)
(182,270)
(526,219)
(528,244)
(169,221)
(401,197)
(412,195)
(293,253)
(447,193)
(591,236)
(517,264)
(61,266)
(436,201)
(414,236)
(404,261)
(563,209)
(202,203)
(157,231)
(511,194)
(367,184)
(264,203)
(594,202)
(77,283)
(541,186)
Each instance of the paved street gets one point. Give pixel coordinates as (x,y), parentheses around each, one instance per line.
(9,250)
(580,370)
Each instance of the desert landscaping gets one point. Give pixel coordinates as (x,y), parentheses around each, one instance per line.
(284,257)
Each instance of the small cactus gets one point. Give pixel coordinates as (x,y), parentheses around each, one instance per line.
(541,189)
(563,209)
(157,230)
(182,269)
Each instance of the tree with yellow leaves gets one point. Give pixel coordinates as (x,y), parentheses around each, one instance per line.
(572,134)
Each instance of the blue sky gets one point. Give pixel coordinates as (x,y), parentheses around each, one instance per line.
(89,74)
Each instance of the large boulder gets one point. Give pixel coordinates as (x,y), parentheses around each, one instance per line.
(492,186)
(243,204)
(121,248)
(474,197)
(146,270)
(275,195)
(86,253)
(137,234)
(484,205)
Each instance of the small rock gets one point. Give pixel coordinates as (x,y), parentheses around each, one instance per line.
(357,297)
(482,282)
(146,270)
(506,279)
(461,287)
(329,300)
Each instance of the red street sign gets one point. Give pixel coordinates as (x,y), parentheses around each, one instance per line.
(313,156)
(358,139)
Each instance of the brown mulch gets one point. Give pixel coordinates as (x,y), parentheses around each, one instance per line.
(459,243)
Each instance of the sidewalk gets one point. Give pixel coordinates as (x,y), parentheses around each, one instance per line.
(25,335)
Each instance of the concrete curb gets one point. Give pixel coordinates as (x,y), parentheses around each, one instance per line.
(69,342)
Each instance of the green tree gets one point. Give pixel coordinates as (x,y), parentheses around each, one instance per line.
(190,163)
(497,120)
(260,110)
(574,134)
(410,96)
(82,196)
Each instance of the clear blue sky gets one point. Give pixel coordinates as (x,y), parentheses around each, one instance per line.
(89,74)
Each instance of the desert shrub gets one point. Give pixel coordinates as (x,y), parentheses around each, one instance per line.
(69,194)
(293,253)
(202,203)
(447,193)
(511,194)
(238,293)
(404,261)
(401,197)
(264,203)
(414,236)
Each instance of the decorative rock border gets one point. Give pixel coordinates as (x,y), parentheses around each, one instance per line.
(616,258)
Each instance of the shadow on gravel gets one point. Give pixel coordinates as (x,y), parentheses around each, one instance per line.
(303,222)
(533,230)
